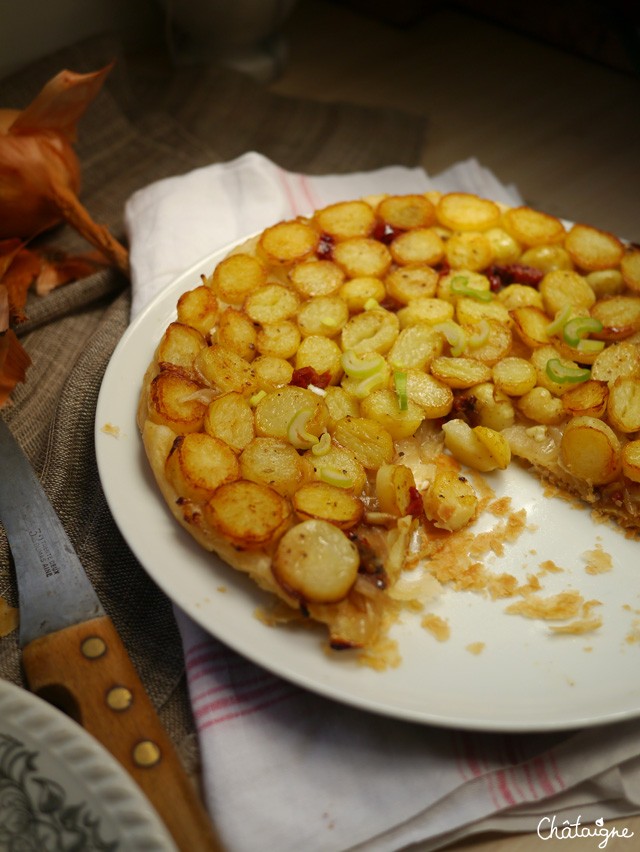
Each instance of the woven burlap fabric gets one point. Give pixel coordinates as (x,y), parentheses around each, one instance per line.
(150,121)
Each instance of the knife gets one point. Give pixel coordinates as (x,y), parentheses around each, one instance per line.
(73,657)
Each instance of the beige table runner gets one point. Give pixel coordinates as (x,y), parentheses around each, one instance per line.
(150,121)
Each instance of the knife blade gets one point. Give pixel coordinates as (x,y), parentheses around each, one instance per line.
(73,656)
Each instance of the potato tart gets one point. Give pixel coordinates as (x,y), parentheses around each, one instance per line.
(313,409)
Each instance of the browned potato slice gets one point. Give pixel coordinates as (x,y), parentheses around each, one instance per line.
(322,354)
(619,315)
(179,347)
(623,406)
(247,513)
(460,372)
(198,308)
(225,369)
(505,249)
(630,269)
(382,406)
(340,404)
(592,249)
(316,562)
(338,466)
(425,310)
(271,303)
(590,450)
(588,398)
(450,502)
(288,242)
(496,346)
(546,258)
(540,358)
(324,315)
(274,414)
(420,246)
(406,211)
(406,283)
(395,488)
(631,460)
(236,276)
(198,464)
(514,376)
(362,256)
(273,462)
(372,331)
(469,311)
(328,503)
(519,296)
(230,418)
(316,278)
(176,402)
(368,440)
(619,359)
(346,219)
(462,211)
(470,279)
(272,372)
(433,396)
(278,339)
(605,282)
(531,325)
(415,346)
(531,227)
(236,331)
(357,292)
(469,250)
(565,287)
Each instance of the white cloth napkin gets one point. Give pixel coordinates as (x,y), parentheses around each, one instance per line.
(286,769)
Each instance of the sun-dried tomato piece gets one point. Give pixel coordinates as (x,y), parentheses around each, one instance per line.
(305,376)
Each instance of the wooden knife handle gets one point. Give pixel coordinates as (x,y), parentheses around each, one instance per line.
(85,670)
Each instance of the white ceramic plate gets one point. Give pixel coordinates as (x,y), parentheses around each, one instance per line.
(525,679)
(61,789)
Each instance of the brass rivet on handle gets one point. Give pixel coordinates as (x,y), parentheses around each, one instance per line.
(146,753)
(119,698)
(93,647)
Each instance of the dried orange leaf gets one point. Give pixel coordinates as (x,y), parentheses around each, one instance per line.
(18,279)
(61,103)
(61,269)
(14,362)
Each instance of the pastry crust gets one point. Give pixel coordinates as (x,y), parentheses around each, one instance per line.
(309,414)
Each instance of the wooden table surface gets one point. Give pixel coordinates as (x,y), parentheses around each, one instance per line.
(565,130)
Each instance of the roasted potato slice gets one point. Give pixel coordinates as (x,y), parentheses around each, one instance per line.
(316,562)
(514,376)
(361,256)
(619,315)
(462,211)
(230,418)
(433,396)
(179,347)
(322,354)
(404,212)
(430,311)
(592,249)
(329,503)
(198,308)
(469,250)
(479,447)
(382,406)
(358,292)
(532,227)
(248,514)
(225,369)
(278,339)
(236,331)
(619,359)
(566,287)
(531,325)
(271,372)
(405,283)
(316,278)
(416,346)
(273,462)
(198,464)
(590,450)
(176,402)
(631,460)
(546,258)
(368,440)
(236,276)
(421,246)
(288,242)
(623,404)
(588,398)
(372,331)
(326,315)
(271,303)
(276,412)
(630,269)
(459,372)
(346,219)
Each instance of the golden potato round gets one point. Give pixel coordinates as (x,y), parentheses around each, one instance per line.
(328,503)
(198,464)
(316,277)
(198,308)
(248,514)
(420,246)
(590,450)
(346,219)
(404,212)
(288,242)
(273,462)
(462,211)
(592,249)
(362,257)
(236,276)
